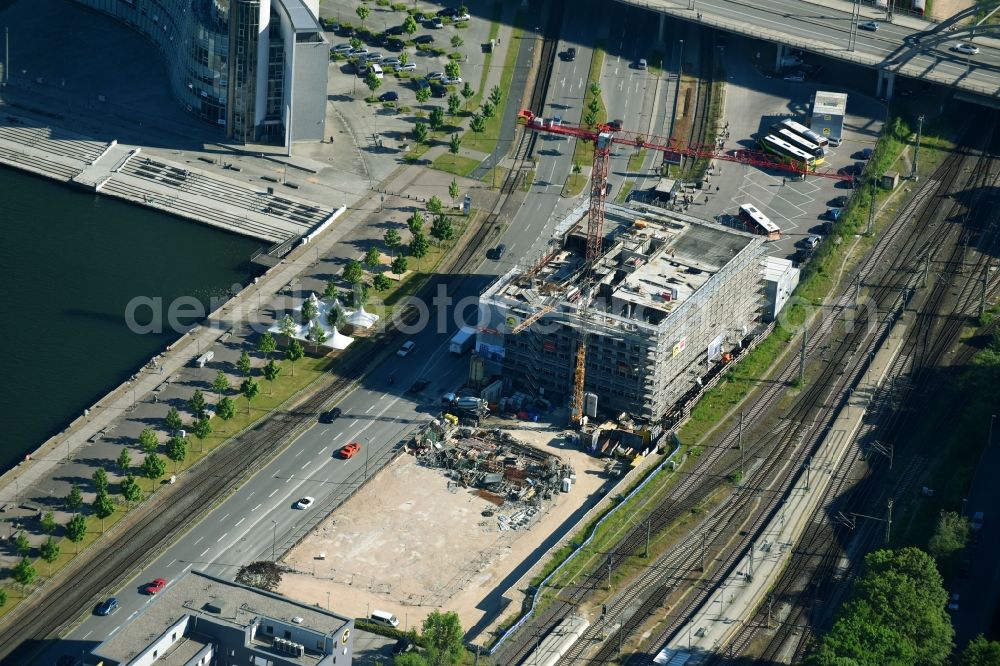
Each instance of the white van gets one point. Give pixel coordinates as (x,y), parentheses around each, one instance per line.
(377,69)
(384,617)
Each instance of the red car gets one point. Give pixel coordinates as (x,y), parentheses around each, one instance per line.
(156,586)
(348,451)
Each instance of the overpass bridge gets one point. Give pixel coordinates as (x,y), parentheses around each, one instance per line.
(908,46)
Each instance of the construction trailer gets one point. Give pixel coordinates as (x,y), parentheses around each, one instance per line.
(829,109)
(667,297)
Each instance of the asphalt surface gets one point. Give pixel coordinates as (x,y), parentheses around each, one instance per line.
(908,45)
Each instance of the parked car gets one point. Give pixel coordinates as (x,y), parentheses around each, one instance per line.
(870,26)
(498,252)
(461,16)
(569,55)
(838,202)
(797,77)
(395,44)
(615,125)
(408,67)
(157,585)
(401,646)
(833,214)
(424,39)
(433,76)
(358,53)
(406,348)
(641,64)
(342,48)
(435,23)
(330,416)
(305,503)
(373,57)
(396,30)
(966,48)
(348,451)
(977,521)
(451,80)
(391,96)
(391,61)
(953,602)
(812,242)
(107,607)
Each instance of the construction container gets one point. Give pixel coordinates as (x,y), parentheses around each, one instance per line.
(566,485)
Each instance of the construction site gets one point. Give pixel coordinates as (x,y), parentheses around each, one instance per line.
(629,328)
(500,494)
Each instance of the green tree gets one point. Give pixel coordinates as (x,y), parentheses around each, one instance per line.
(317,335)
(153,467)
(49,551)
(100,479)
(442,636)
(356,43)
(949,539)
(124,460)
(309,311)
(148,441)
(404,58)
(203,428)
(595,90)
(381,282)
(436,118)
(331,292)
(271,372)
(177,448)
(21,544)
(419,246)
(409,25)
(130,489)
(226,409)
(363,11)
(409,659)
(496,96)
(453,69)
(980,652)
(454,104)
(442,228)
(415,222)
(359,296)
(172,421)
(244,365)
(76,529)
(49,524)
(435,206)
(392,240)
(353,272)
(24,572)
(373,82)
(103,507)
(590,118)
(3,597)
(74,500)
(488,110)
(477,123)
(197,404)
(336,317)
(266,345)
(467,91)
(250,389)
(288,326)
(457,41)
(399,265)
(423,94)
(294,352)
(373,258)
(453,191)
(453,144)
(420,132)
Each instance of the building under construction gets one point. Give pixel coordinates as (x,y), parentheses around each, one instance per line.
(668,296)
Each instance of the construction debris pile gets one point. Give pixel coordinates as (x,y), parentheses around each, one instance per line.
(497,467)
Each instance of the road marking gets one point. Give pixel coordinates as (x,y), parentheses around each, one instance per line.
(251,494)
(355,422)
(384,396)
(222,537)
(204,551)
(370,408)
(199,539)
(88,634)
(223,518)
(171,563)
(272,493)
(255,508)
(134,613)
(188,566)
(340,434)
(322,450)
(114,630)
(298,453)
(241,520)
(288,479)
(303,467)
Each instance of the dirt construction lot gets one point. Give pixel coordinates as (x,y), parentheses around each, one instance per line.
(408,543)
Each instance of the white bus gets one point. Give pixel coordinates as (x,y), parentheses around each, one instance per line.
(804,132)
(786,151)
(803,144)
(757,223)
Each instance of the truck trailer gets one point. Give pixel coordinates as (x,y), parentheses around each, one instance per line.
(463,340)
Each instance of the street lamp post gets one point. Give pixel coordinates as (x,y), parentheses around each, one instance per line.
(368,452)
(274,538)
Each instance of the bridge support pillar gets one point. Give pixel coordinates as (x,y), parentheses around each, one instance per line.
(886,82)
(659,30)
(782,50)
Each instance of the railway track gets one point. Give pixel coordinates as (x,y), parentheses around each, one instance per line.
(29,629)
(812,574)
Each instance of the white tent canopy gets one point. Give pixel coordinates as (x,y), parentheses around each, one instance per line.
(334,338)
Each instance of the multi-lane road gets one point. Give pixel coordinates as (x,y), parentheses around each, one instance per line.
(908,46)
